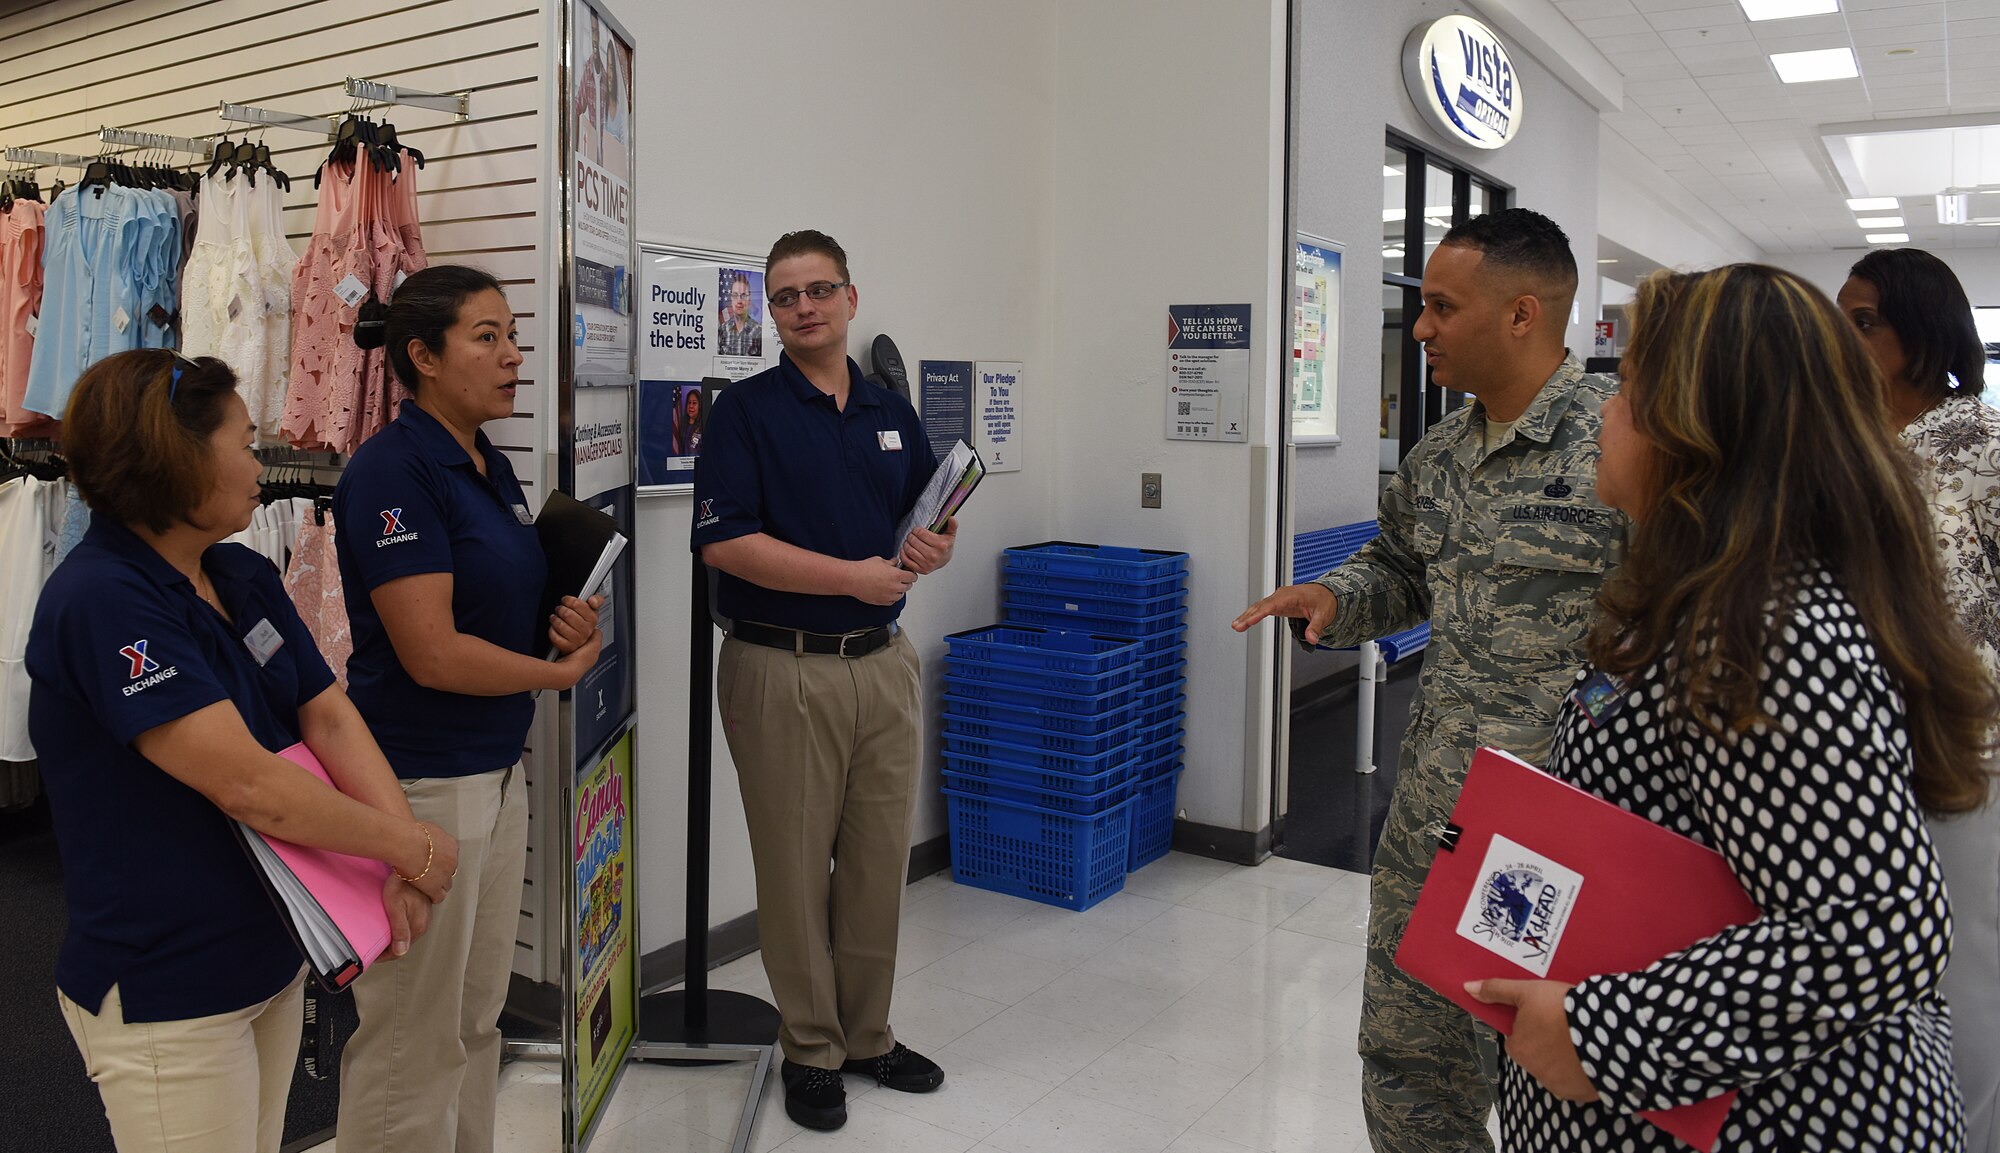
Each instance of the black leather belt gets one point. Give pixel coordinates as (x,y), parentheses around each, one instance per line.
(798,641)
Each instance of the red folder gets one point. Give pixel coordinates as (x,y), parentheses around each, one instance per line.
(1544,880)
(331,902)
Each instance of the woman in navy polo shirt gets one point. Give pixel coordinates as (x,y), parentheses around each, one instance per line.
(166,670)
(444,577)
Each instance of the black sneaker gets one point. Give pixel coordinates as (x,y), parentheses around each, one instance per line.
(899,1069)
(814,1097)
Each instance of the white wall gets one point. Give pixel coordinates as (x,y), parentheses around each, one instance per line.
(1030,181)
(1977,268)
(871,121)
(1169,159)
(1350,89)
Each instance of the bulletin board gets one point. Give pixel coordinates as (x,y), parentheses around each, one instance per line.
(1315,341)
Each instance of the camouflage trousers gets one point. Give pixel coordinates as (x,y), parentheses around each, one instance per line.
(1428,1068)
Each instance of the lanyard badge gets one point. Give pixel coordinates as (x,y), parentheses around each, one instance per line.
(1600,696)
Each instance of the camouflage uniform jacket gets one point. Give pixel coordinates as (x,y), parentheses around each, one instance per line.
(1503,548)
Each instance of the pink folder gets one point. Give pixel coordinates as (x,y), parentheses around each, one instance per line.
(1543,880)
(331,902)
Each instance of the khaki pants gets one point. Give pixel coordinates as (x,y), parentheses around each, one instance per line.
(421,1073)
(204,1085)
(827,752)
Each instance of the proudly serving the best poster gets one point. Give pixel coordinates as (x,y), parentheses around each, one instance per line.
(601,195)
(603,959)
(702,315)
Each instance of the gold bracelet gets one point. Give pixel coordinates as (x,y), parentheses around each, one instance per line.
(430,853)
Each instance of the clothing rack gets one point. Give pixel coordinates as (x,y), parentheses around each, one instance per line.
(459,104)
(153,140)
(245,114)
(46,159)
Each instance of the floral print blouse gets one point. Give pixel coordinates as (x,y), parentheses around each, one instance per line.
(1958,443)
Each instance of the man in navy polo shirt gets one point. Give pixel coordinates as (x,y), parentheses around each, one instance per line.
(805,472)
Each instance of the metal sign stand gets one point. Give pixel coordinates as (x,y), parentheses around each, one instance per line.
(696,1024)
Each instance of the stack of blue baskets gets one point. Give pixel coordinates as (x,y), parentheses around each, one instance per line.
(1041,738)
(1136,593)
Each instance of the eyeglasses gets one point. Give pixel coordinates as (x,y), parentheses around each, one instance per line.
(818,290)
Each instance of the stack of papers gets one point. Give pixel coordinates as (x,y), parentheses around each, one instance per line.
(956,476)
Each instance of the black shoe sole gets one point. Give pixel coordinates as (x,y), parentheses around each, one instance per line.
(824,1120)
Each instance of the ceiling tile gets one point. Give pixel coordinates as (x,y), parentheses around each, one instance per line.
(1632,42)
(1707,16)
(1595,9)
(1725,34)
(1613,26)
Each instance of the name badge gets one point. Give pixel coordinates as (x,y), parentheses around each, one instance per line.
(892,441)
(522,514)
(1600,697)
(263,641)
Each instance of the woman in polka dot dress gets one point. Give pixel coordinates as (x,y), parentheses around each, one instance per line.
(1795,694)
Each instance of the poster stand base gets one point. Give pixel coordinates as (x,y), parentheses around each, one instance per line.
(697,1025)
(727,1020)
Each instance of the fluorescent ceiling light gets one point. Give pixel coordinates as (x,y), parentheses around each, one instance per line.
(1392,215)
(1887,238)
(1391,170)
(1821,64)
(1607,260)
(1873,204)
(1786,9)
(1954,207)
(1892,158)
(1880,222)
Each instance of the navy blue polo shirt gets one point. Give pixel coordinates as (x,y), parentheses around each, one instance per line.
(163,902)
(411,502)
(780,458)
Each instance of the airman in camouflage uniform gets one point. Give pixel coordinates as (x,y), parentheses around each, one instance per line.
(1493,532)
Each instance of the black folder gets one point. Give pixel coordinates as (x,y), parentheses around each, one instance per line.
(574,536)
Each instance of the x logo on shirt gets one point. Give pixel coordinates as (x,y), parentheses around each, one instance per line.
(141,663)
(392,521)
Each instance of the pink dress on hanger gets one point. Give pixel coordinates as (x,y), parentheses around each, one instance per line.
(313,582)
(20,298)
(319,408)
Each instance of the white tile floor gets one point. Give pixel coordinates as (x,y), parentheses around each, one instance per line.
(1208,1008)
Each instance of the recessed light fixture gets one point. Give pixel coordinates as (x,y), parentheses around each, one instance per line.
(1954,207)
(1880,222)
(1873,204)
(1820,64)
(1607,260)
(1902,52)
(1785,9)
(1391,170)
(1887,238)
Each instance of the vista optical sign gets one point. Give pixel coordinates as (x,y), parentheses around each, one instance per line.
(1463,82)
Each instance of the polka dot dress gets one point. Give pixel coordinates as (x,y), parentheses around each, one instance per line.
(1824,1012)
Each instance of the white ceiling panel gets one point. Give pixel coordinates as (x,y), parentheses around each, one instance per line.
(1613,25)
(1595,9)
(1710,15)
(1690,37)
(1703,99)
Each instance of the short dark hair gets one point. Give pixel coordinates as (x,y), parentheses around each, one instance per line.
(1919,297)
(425,306)
(805,241)
(1524,241)
(137,439)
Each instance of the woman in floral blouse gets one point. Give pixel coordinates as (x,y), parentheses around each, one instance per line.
(1916,321)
